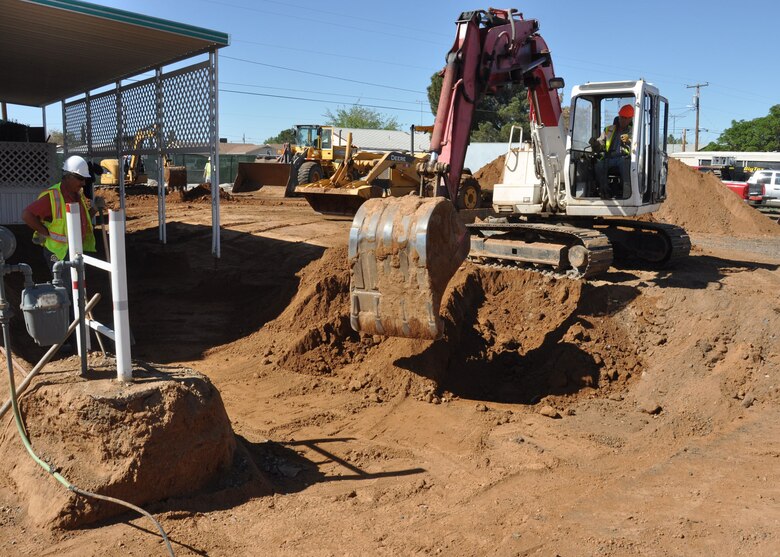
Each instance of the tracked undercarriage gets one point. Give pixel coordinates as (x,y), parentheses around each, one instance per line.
(582,251)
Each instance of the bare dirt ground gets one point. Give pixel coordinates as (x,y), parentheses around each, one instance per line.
(633,415)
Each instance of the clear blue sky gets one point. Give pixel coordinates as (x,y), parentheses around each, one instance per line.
(382,54)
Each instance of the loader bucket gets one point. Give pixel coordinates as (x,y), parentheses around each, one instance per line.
(402,252)
(252,176)
(329,200)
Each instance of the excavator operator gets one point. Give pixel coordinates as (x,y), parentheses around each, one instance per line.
(615,144)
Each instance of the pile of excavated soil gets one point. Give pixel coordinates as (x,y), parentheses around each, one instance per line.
(165,435)
(491,173)
(509,336)
(698,202)
(143,196)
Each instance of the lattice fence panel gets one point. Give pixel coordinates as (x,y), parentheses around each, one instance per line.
(27,165)
(139,113)
(76,126)
(185,119)
(103,123)
(186,108)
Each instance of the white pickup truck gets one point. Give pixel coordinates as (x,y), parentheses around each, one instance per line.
(764,188)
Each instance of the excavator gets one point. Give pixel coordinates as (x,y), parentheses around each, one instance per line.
(175,176)
(561,207)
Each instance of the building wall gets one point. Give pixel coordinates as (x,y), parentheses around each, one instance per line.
(749,159)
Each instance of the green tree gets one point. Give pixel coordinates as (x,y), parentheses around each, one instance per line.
(284,136)
(360,117)
(759,134)
(495,114)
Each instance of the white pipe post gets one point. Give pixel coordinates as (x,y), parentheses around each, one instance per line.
(116,230)
(75,248)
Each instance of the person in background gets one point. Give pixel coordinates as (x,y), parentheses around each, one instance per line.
(207,172)
(46,215)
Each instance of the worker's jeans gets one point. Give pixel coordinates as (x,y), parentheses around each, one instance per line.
(620,165)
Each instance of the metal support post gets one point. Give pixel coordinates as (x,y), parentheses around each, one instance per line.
(158,98)
(214,137)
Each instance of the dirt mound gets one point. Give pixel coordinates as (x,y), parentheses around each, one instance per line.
(513,336)
(201,192)
(491,173)
(162,436)
(700,203)
(136,196)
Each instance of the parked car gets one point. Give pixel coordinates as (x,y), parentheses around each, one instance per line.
(764,188)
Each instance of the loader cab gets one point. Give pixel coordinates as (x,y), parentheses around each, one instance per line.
(318,137)
(630,178)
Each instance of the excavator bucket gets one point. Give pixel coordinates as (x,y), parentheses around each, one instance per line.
(252,176)
(402,252)
(176,177)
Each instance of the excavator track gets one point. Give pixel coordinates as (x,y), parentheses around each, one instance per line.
(562,249)
(650,243)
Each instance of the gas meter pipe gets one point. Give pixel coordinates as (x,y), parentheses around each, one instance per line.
(5,317)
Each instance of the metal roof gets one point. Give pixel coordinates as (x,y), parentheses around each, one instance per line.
(54,49)
(382,140)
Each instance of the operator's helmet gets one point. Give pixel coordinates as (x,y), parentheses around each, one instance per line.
(626,111)
(76,165)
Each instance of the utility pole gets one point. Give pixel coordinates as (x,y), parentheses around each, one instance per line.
(683,138)
(696,106)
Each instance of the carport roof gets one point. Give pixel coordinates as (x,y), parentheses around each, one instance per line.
(54,49)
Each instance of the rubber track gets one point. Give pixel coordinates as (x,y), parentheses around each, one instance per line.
(677,240)
(598,248)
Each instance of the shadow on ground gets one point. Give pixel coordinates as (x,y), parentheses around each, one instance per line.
(184,301)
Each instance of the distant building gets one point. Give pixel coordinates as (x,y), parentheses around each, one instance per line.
(750,160)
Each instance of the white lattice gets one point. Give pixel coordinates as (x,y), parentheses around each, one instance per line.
(103,123)
(139,113)
(27,165)
(25,170)
(184,95)
(186,108)
(76,126)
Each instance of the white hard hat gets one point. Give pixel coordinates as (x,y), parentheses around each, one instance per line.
(76,165)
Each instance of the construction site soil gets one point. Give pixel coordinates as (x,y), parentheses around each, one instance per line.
(636,414)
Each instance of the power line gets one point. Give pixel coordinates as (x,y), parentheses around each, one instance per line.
(323,75)
(316,100)
(315,92)
(319,52)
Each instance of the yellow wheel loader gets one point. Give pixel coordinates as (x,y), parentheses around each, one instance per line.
(364,175)
(312,158)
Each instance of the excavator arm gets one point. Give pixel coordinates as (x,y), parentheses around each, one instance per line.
(492,48)
(404,251)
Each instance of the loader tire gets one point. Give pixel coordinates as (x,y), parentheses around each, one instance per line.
(309,173)
(469,194)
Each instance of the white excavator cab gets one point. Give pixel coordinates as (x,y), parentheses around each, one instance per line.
(631,178)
